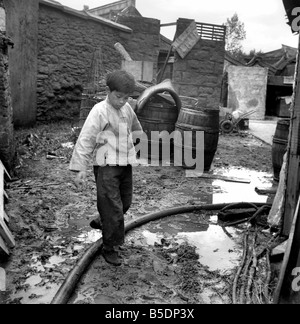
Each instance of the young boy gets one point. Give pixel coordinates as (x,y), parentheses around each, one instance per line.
(106,137)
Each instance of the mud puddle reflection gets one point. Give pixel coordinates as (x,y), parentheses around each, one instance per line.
(217,249)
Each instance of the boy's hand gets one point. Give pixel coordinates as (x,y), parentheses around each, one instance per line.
(80,178)
(101,138)
(133,103)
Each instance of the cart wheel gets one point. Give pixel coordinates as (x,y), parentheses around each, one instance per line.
(227,126)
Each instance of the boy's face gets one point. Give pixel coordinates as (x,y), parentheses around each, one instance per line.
(117,99)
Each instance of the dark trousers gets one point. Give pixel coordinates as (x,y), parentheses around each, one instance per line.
(114,198)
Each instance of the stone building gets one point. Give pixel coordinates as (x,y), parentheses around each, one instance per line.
(52,61)
(59,59)
(7,150)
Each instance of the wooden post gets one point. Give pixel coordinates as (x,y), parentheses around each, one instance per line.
(22,27)
(6,238)
(293,169)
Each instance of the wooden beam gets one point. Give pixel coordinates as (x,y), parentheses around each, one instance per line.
(285,292)
(3,248)
(169,24)
(276,80)
(5,217)
(293,169)
(195,174)
(2,280)
(6,172)
(1,191)
(6,234)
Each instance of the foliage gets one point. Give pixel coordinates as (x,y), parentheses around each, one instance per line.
(235,34)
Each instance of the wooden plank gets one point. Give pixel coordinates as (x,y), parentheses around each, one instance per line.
(265,191)
(197,174)
(6,234)
(2,280)
(169,24)
(6,172)
(5,217)
(184,43)
(141,70)
(293,170)
(276,80)
(5,194)
(293,180)
(285,292)
(210,31)
(1,191)
(3,247)
(212,25)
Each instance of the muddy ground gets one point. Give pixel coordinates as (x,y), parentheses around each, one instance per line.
(49,218)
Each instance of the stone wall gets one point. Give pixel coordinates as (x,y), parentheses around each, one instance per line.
(199,75)
(247,90)
(144,43)
(7,148)
(67,44)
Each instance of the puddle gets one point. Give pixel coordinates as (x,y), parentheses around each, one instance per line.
(37,292)
(90,237)
(54,261)
(217,249)
(227,192)
(37,289)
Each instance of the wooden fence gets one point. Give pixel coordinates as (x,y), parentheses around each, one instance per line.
(211,32)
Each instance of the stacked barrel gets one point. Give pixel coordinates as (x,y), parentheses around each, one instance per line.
(194,119)
(183,116)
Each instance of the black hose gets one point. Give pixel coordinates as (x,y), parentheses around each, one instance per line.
(248,219)
(67,288)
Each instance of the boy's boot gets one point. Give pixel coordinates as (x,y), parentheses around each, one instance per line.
(96,223)
(111,256)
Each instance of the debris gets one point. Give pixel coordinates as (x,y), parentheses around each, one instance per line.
(197,174)
(280,249)
(45,185)
(265,191)
(53,156)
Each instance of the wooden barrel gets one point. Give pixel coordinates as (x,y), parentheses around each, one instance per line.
(206,120)
(157,116)
(279,147)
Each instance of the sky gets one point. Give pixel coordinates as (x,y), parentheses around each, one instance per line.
(265,20)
